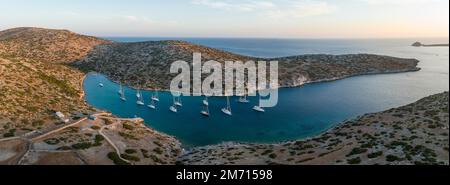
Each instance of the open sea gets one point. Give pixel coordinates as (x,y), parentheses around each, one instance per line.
(301,112)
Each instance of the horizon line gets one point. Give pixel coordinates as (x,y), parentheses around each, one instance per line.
(244,37)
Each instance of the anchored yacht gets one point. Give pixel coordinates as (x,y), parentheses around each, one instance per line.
(227,110)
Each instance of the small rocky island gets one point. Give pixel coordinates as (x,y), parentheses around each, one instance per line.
(419,44)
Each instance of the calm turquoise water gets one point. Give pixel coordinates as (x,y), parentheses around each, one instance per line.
(302,112)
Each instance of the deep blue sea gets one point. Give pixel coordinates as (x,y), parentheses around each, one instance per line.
(301,112)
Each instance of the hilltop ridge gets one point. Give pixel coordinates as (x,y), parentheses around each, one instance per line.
(47,45)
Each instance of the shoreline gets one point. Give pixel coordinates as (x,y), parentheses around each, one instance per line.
(280,87)
(324,131)
(372,138)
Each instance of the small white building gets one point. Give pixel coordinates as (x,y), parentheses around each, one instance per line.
(62,117)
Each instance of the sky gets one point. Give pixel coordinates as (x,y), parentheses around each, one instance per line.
(234,18)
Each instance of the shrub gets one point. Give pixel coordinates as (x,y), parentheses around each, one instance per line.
(37,123)
(52,141)
(392,158)
(9,134)
(305,160)
(128,126)
(354,161)
(157,143)
(116,159)
(95,127)
(127,136)
(82,146)
(156,159)
(145,153)
(273,156)
(130,151)
(357,151)
(158,150)
(130,157)
(99,138)
(375,155)
(267,152)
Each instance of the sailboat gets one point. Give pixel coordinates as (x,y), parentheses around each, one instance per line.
(101,84)
(120,89)
(243,99)
(258,108)
(205,112)
(227,110)
(152,105)
(140,101)
(155,96)
(173,108)
(122,97)
(178,102)
(122,93)
(138,93)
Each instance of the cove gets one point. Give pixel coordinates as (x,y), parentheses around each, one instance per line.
(301,112)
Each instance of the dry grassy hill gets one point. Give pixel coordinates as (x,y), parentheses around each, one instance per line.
(34,77)
(47,45)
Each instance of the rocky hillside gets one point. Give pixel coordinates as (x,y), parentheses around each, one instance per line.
(47,45)
(147,64)
(413,134)
(30,90)
(34,77)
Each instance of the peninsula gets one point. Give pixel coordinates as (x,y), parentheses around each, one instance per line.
(146,65)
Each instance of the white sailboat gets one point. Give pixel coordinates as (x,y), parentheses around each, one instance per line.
(140,101)
(155,96)
(120,89)
(138,93)
(173,108)
(227,110)
(122,97)
(152,104)
(205,112)
(122,93)
(101,84)
(258,108)
(178,102)
(243,99)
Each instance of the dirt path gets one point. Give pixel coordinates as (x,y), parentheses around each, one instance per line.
(57,130)
(110,141)
(9,138)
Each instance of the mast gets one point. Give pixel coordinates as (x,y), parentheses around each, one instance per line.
(228,104)
(173,108)
(205,101)
(122,93)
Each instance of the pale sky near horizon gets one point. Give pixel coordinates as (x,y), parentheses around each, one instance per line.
(234,18)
